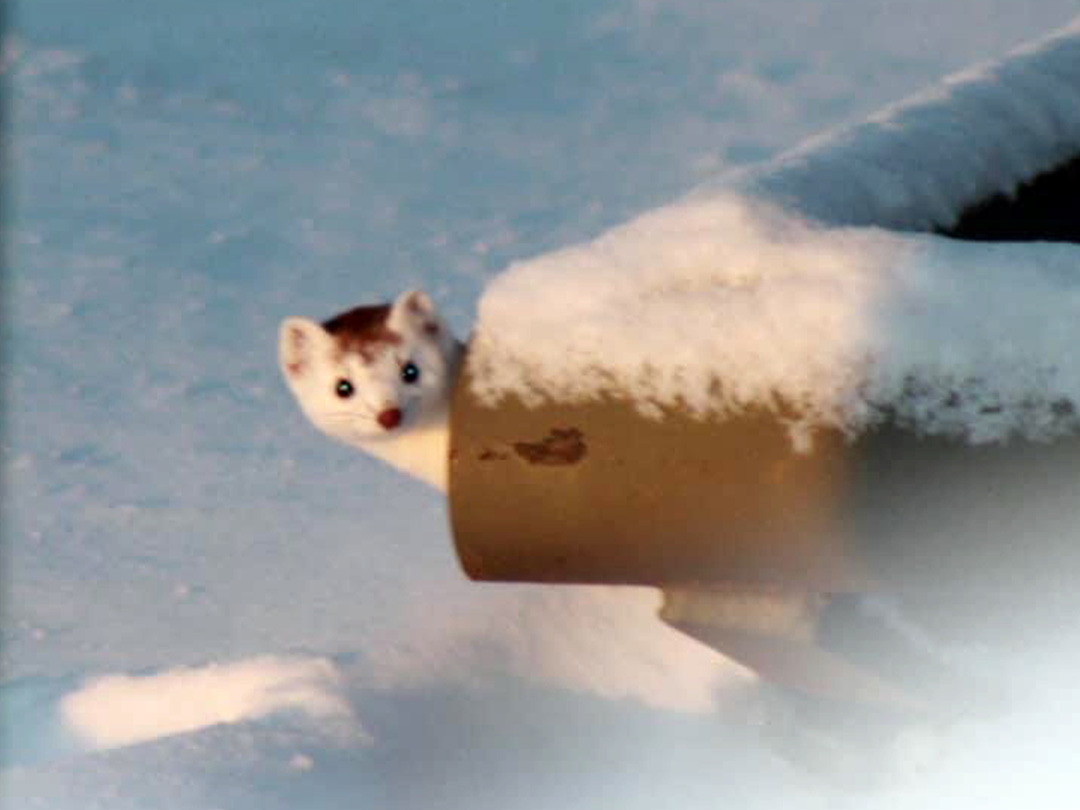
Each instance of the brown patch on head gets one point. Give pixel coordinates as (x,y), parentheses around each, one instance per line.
(363,330)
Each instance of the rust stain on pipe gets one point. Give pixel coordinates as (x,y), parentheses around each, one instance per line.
(560,447)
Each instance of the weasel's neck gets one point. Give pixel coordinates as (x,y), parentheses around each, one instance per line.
(423,450)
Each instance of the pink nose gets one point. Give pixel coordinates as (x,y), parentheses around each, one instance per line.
(390,418)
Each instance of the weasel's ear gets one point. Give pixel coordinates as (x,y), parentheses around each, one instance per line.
(298,340)
(414,312)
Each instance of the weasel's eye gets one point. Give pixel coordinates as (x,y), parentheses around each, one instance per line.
(410,373)
(344,389)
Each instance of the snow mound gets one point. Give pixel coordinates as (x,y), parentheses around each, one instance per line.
(118,710)
(920,163)
(600,641)
(726,303)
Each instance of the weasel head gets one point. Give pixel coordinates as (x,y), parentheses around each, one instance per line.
(371,373)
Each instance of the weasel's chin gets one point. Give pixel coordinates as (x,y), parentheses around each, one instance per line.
(365,438)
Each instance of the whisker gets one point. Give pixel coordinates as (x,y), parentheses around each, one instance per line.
(351,415)
(350,419)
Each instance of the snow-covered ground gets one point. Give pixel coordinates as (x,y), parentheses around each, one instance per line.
(208,604)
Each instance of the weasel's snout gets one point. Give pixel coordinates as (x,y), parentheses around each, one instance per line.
(389,418)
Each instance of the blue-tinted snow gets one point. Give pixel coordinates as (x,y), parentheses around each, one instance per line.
(185,176)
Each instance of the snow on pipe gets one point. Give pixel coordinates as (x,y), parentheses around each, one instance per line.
(735,516)
(735,364)
(743,394)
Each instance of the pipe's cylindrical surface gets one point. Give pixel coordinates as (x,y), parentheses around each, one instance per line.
(599,493)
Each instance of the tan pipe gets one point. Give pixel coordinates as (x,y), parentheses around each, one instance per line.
(596,493)
(970,537)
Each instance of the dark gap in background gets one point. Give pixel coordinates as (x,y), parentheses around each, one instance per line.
(1046,208)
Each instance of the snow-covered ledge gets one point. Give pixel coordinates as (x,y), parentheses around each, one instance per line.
(721,304)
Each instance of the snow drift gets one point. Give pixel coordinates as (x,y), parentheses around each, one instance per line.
(118,710)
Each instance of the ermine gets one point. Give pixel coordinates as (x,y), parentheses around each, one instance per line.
(379,378)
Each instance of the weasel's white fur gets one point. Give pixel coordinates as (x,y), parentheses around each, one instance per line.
(405,423)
